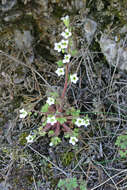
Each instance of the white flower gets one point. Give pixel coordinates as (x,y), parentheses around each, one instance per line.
(66,34)
(30,138)
(60,71)
(86,122)
(73,140)
(74,78)
(58,47)
(66,58)
(50,101)
(52,120)
(23,113)
(51,144)
(79,122)
(65,18)
(64,44)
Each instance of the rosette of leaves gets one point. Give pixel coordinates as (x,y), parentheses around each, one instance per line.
(64,124)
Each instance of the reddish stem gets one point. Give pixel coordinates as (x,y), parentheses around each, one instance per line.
(66,128)
(64,90)
(52,108)
(47,127)
(65,84)
(57,130)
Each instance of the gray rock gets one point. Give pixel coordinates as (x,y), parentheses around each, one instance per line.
(90,27)
(25,1)
(23,39)
(78,4)
(7,5)
(122,56)
(123,29)
(114,53)
(108,47)
(4,186)
(12,17)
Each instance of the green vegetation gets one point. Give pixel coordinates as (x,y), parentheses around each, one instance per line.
(71,184)
(121,143)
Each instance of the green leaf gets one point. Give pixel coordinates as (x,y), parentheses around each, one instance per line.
(73,121)
(63,50)
(86,117)
(55,140)
(68,183)
(83,187)
(68,112)
(74,52)
(42,133)
(44,123)
(76,113)
(30,113)
(71,183)
(35,114)
(61,183)
(60,63)
(121,142)
(61,120)
(50,133)
(66,22)
(123,146)
(45,108)
(76,130)
(54,94)
(67,135)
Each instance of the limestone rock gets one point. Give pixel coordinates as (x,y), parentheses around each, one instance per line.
(4,186)
(115,54)
(7,5)
(90,27)
(23,39)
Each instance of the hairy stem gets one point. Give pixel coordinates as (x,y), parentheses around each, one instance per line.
(57,130)
(65,84)
(47,127)
(64,90)
(66,128)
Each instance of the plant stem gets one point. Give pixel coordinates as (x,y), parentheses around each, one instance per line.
(64,90)
(66,128)
(65,84)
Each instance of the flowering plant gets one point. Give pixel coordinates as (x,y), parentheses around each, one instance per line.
(56,117)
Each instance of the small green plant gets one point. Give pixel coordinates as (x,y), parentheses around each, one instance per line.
(121,142)
(57,116)
(71,184)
